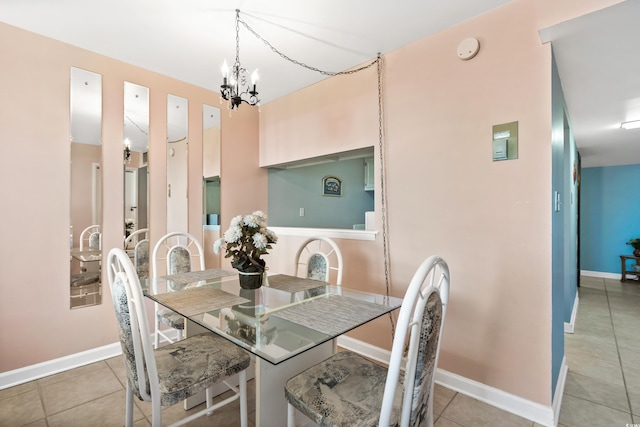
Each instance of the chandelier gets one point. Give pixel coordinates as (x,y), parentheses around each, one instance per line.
(235,87)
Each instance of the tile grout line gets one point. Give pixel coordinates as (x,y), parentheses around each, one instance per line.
(615,338)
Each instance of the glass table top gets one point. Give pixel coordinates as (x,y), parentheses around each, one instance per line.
(285,317)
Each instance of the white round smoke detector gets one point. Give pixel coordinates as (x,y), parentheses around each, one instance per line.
(468,48)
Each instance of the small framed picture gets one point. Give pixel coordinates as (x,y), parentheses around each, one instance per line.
(331,186)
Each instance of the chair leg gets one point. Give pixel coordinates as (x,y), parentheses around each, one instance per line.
(209,400)
(156,335)
(242,378)
(128,414)
(291,415)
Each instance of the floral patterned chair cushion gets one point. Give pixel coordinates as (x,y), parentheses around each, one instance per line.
(179,260)
(142,258)
(185,367)
(94,241)
(317,267)
(347,389)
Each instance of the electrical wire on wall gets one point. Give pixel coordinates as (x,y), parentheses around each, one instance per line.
(381,145)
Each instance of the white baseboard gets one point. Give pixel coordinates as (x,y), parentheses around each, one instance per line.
(557,397)
(602,274)
(569,327)
(543,415)
(50,367)
(55,366)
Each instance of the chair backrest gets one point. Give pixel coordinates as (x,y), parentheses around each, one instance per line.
(133,326)
(90,238)
(135,237)
(180,251)
(317,257)
(421,321)
(141,258)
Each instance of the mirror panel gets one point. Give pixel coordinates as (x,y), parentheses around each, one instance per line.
(85,238)
(211,181)
(177,164)
(136,174)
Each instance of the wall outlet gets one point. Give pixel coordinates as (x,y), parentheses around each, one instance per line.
(301,211)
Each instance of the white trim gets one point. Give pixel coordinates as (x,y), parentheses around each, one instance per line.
(569,327)
(55,366)
(602,274)
(528,409)
(544,415)
(332,233)
(372,352)
(557,398)
(50,367)
(495,397)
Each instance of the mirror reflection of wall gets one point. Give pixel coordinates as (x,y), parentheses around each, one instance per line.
(136,173)
(86,188)
(177,164)
(136,141)
(211,181)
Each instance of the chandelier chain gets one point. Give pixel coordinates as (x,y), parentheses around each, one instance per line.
(302,64)
(378,63)
(237,63)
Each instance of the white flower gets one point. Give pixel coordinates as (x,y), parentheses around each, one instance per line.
(217,245)
(259,241)
(251,220)
(270,235)
(233,234)
(236,221)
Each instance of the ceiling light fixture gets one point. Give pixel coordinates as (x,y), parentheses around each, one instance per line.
(235,87)
(633,124)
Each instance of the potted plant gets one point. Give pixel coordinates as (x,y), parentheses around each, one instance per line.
(635,243)
(246,240)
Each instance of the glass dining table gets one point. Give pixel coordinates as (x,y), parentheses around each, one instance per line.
(289,323)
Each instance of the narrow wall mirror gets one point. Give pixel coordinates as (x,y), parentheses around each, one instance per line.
(136,173)
(177,164)
(211,181)
(85,238)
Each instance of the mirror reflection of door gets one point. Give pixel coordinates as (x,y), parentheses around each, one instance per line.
(211,181)
(177,164)
(85,237)
(136,146)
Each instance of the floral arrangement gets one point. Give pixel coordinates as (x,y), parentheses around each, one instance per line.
(246,240)
(128,224)
(635,243)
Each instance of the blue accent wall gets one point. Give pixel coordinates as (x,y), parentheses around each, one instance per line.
(609,216)
(564,274)
(292,189)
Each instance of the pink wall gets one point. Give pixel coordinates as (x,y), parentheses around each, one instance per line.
(34,126)
(490,220)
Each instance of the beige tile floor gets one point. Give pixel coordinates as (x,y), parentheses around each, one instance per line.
(602,388)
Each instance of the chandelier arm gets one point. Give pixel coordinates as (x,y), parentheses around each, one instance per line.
(302,64)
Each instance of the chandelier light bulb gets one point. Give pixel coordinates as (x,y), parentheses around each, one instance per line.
(254,77)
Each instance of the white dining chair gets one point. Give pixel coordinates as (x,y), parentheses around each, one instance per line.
(90,238)
(138,242)
(180,253)
(174,372)
(317,258)
(132,239)
(347,389)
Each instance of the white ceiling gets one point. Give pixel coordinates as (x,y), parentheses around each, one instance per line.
(190,39)
(598,59)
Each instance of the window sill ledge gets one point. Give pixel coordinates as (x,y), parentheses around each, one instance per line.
(332,233)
